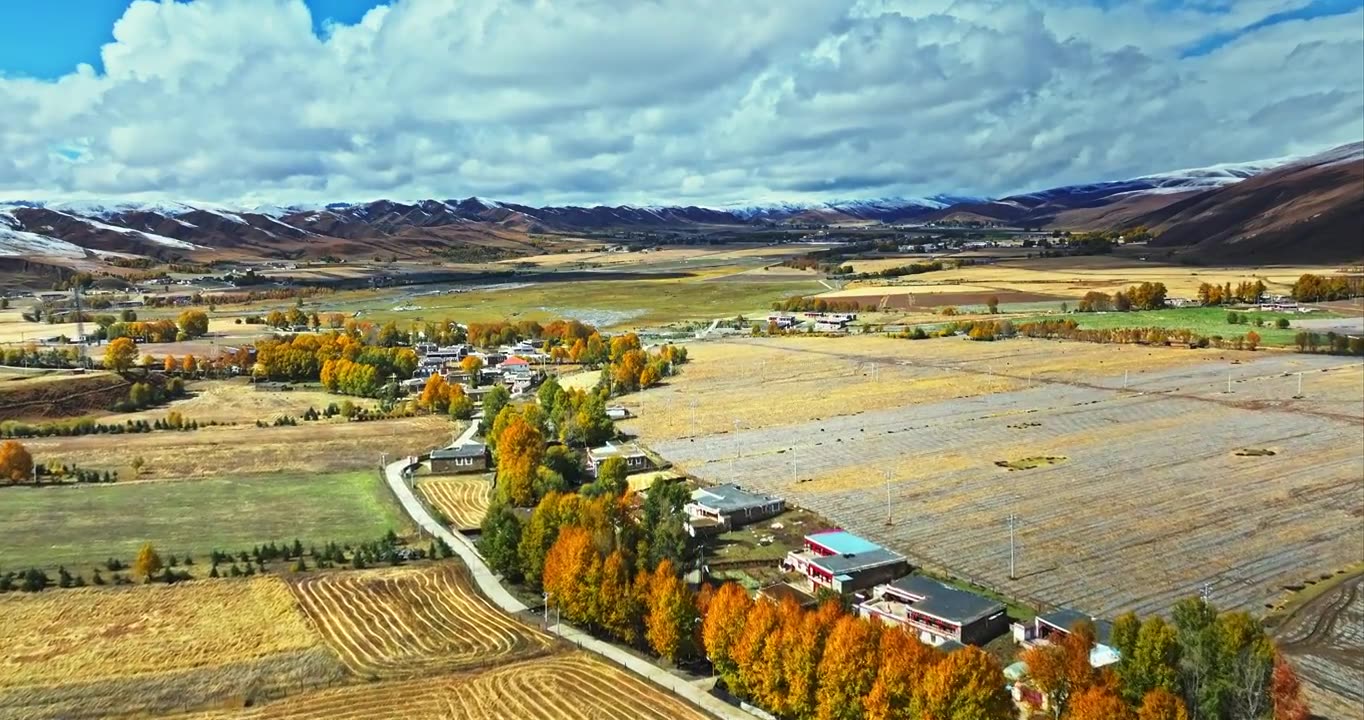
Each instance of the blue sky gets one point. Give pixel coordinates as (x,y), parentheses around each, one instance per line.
(45,39)
(708,102)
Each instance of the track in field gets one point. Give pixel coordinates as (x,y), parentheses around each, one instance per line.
(404,622)
(574,686)
(464,501)
(1323,640)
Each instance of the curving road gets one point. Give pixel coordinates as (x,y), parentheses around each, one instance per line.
(491,587)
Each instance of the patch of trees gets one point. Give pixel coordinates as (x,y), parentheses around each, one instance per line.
(149,393)
(1244,292)
(1200,664)
(565,332)
(1070,330)
(439,396)
(800,303)
(1317,288)
(89,426)
(156,331)
(631,368)
(1146,296)
(32,356)
(1329,343)
(254,296)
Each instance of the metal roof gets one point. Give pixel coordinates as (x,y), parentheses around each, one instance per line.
(841,542)
(730,498)
(1065,619)
(945,602)
(459,451)
(845,564)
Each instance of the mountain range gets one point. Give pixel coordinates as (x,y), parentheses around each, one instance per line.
(1288,209)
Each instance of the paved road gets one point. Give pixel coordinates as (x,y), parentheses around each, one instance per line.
(493,590)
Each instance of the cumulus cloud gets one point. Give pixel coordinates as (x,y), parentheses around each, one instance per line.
(686,101)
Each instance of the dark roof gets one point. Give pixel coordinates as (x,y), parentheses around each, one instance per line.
(780,591)
(946,602)
(845,564)
(730,498)
(460,451)
(1065,619)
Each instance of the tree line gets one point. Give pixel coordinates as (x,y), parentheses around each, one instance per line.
(801,303)
(1317,288)
(1070,330)
(89,426)
(1244,292)
(1202,664)
(1146,296)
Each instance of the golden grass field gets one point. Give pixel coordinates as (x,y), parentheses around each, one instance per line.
(404,622)
(572,686)
(462,499)
(247,449)
(1074,276)
(98,634)
(766,382)
(584,380)
(235,401)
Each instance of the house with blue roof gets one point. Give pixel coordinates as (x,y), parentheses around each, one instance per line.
(844,563)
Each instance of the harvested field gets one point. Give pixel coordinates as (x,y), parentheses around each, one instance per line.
(1149,503)
(1323,639)
(574,686)
(59,395)
(213,451)
(767,382)
(911,297)
(404,622)
(95,652)
(463,500)
(584,380)
(235,401)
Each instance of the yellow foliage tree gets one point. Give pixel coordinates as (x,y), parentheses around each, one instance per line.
(120,355)
(16,464)
(148,562)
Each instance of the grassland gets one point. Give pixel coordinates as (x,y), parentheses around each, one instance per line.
(90,653)
(1206,321)
(80,526)
(235,401)
(1150,502)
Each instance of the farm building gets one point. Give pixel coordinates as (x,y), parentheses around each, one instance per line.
(731,505)
(616,412)
(515,368)
(1061,622)
(469,457)
(844,562)
(635,459)
(938,612)
(781,321)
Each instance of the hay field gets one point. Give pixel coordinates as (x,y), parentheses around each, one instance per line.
(767,382)
(214,451)
(93,652)
(574,686)
(233,401)
(463,500)
(1074,276)
(1144,500)
(584,380)
(405,622)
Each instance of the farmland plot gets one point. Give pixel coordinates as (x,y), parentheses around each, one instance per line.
(575,686)
(87,653)
(1324,640)
(462,500)
(402,622)
(1144,498)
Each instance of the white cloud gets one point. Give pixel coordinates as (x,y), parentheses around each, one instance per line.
(700,101)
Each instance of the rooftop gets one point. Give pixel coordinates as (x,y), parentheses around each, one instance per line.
(842,565)
(608,450)
(459,451)
(841,542)
(1065,619)
(946,602)
(729,497)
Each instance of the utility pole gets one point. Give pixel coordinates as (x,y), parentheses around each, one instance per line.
(793,466)
(1124,379)
(1013,519)
(890,518)
(1299,386)
(1206,593)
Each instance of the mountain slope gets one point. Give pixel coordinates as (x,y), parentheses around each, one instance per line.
(1311,210)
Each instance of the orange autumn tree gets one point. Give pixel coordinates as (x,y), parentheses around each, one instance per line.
(904,660)
(723,628)
(848,668)
(804,636)
(1285,692)
(435,395)
(1161,704)
(759,629)
(1098,703)
(1061,669)
(520,449)
(964,685)
(16,464)
(671,616)
(572,575)
(619,609)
